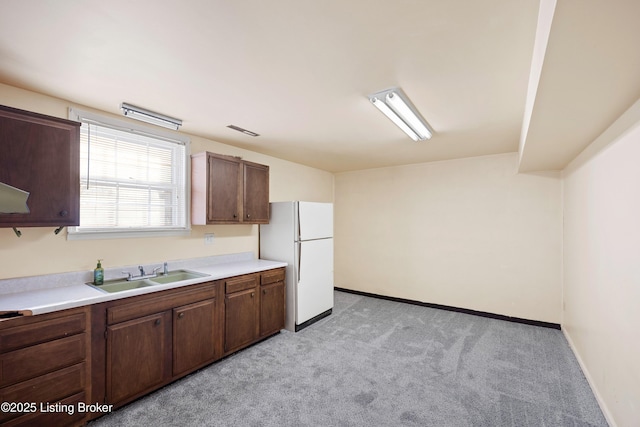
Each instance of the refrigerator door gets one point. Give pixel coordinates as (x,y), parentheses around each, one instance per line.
(315,275)
(315,220)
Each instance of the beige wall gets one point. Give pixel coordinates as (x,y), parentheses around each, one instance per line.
(468,233)
(602,272)
(39,251)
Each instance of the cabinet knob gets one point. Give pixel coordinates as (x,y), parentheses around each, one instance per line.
(157,322)
(264,292)
(235,215)
(253,294)
(248,216)
(64,213)
(180,315)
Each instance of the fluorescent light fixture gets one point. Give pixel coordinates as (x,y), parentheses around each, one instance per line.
(394,118)
(396,106)
(151,117)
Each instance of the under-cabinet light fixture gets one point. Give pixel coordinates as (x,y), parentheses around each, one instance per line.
(151,117)
(394,104)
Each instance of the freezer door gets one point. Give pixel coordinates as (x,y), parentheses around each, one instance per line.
(315,220)
(315,275)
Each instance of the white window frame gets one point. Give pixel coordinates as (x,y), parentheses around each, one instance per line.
(77,233)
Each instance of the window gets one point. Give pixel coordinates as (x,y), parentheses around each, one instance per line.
(133,179)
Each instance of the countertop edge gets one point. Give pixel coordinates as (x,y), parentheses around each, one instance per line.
(61,298)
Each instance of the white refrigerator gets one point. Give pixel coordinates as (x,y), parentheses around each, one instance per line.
(301,234)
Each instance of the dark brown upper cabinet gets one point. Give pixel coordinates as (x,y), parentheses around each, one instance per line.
(40,155)
(255,201)
(228,190)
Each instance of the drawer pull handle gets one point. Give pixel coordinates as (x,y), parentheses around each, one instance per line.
(180,316)
(157,322)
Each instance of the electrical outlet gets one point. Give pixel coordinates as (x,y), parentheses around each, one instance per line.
(208,239)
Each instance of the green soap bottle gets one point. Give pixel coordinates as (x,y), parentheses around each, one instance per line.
(98,274)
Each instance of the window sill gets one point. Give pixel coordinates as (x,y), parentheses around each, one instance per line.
(100,235)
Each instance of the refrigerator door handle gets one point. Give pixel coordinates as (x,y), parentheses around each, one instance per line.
(297,214)
(299,259)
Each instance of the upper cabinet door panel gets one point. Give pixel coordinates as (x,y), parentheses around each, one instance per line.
(224,184)
(40,155)
(256,193)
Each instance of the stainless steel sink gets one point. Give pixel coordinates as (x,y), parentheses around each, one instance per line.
(119,285)
(176,276)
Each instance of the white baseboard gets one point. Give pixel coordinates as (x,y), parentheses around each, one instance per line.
(603,406)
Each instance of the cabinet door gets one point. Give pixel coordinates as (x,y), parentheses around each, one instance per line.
(223,198)
(256,193)
(40,155)
(137,356)
(193,336)
(241,319)
(271,308)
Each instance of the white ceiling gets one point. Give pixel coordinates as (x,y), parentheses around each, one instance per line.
(298,72)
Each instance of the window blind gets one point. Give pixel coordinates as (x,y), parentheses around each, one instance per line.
(130,181)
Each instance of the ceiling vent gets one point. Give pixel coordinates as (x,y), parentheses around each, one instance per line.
(245,131)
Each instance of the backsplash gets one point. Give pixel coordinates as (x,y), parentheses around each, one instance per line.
(47,281)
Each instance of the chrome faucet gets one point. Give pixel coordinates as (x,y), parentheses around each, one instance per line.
(143,274)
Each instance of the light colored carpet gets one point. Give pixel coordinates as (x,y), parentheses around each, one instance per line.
(381,363)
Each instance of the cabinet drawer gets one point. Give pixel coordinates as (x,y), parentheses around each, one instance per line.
(241,283)
(272,276)
(40,359)
(47,388)
(39,332)
(53,419)
(149,305)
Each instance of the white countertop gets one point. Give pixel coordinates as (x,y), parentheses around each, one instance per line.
(40,301)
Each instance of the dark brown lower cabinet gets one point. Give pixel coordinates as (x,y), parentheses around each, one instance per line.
(272,302)
(154,339)
(254,308)
(117,351)
(194,335)
(136,356)
(241,319)
(142,343)
(49,414)
(145,353)
(271,308)
(43,361)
